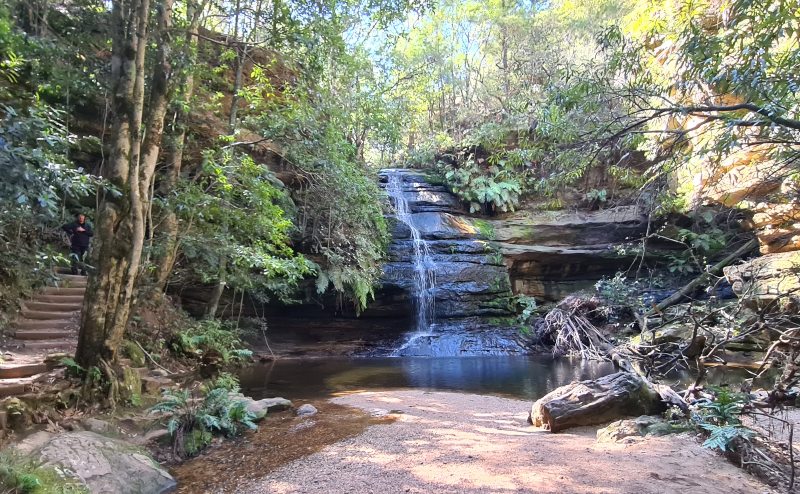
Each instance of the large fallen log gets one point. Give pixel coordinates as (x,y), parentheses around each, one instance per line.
(597,401)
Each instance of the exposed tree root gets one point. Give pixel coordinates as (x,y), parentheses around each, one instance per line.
(571,331)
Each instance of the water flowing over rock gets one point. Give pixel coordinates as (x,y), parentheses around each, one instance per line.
(424,276)
(441,260)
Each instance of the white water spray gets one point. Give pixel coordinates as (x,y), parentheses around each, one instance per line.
(424,274)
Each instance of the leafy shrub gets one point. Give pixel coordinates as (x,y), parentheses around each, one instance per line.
(721,417)
(725,409)
(528,306)
(213,341)
(225,380)
(500,191)
(193,420)
(721,437)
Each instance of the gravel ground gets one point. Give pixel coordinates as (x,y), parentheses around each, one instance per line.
(463,443)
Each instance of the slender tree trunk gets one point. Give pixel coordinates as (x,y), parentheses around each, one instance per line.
(174,159)
(504,48)
(120,226)
(216,294)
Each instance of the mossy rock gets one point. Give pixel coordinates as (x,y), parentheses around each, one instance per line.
(131,386)
(132,351)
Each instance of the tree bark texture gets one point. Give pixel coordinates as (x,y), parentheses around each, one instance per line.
(174,157)
(120,228)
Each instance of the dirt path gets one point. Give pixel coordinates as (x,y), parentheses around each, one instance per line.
(462,443)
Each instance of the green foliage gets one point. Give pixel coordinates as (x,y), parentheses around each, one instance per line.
(721,437)
(193,420)
(725,409)
(37,177)
(485,229)
(703,243)
(74,369)
(721,417)
(339,209)
(225,380)
(596,195)
(21,475)
(235,217)
(498,192)
(617,290)
(526,310)
(211,339)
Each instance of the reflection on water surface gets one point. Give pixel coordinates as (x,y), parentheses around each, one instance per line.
(526,377)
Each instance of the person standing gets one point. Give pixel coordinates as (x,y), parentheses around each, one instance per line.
(80,233)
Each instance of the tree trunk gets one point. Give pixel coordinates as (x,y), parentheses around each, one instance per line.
(216,294)
(174,160)
(132,162)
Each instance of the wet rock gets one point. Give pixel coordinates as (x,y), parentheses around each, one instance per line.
(260,408)
(306,410)
(104,465)
(594,402)
(672,333)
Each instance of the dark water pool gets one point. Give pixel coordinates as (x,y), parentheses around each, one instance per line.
(526,377)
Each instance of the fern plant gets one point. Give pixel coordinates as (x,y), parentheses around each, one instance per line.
(211,338)
(721,417)
(192,421)
(721,437)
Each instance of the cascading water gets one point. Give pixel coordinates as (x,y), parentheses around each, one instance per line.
(424,267)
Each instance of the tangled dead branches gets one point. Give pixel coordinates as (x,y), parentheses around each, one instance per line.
(570,329)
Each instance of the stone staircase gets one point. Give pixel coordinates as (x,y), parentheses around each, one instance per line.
(46,330)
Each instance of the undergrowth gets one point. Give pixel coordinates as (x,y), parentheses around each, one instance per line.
(20,475)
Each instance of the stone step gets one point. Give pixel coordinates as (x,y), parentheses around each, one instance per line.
(52,306)
(45,315)
(71,283)
(62,290)
(72,278)
(12,371)
(41,324)
(42,334)
(62,344)
(59,299)
(14,388)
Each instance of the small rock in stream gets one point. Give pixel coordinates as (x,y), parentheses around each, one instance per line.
(306,410)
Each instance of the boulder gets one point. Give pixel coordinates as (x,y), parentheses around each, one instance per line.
(153,385)
(104,465)
(763,279)
(99,426)
(260,408)
(646,425)
(595,402)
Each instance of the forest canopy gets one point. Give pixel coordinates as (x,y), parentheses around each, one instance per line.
(235,144)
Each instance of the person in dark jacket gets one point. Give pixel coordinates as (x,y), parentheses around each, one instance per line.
(80,233)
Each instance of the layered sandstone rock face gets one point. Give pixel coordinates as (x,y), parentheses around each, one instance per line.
(551,254)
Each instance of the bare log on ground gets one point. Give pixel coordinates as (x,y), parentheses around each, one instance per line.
(594,402)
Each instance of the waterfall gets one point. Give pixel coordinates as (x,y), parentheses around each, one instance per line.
(424,274)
